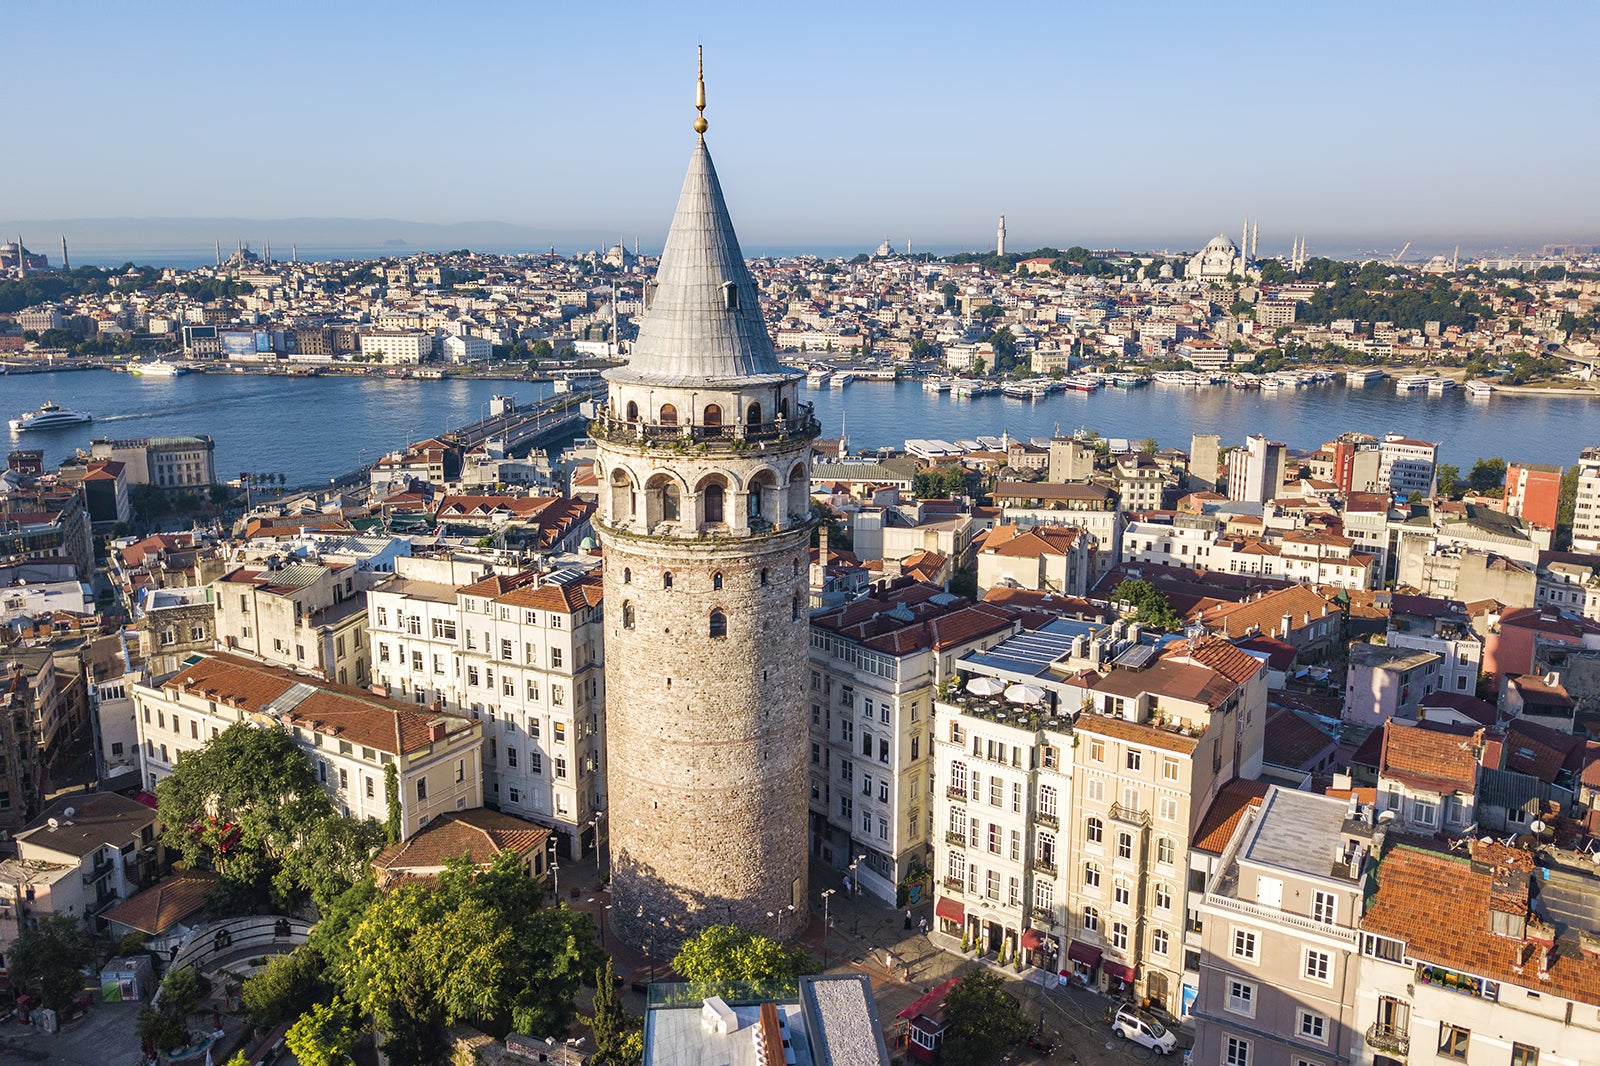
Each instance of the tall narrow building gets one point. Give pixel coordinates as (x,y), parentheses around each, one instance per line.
(706,522)
(1000,237)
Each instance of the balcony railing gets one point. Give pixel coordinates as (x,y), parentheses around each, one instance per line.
(615,430)
(1045,866)
(1129,815)
(1047,820)
(955,792)
(1387,1038)
(956,885)
(100,870)
(955,838)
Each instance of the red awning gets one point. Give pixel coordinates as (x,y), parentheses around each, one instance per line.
(950,909)
(1032,939)
(1087,954)
(1117,969)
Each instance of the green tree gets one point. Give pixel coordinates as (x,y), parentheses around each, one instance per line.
(159,1030)
(1566,507)
(1149,445)
(324,1035)
(180,992)
(478,948)
(617,1036)
(984,1020)
(1487,474)
(330,937)
(240,803)
(45,958)
(986,312)
(391,794)
(1450,483)
(284,988)
(332,855)
(728,953)
(1151,609)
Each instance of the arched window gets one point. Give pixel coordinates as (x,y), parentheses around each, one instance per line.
(633,411)
(1047,848)
(669,415)
(716,580)
(713,415)
(622,496)
(753,415)
(666,580)
(627,576)
(627,616)
(1094,830)
(713,498)
(719,624)
(763,577)
(669,502)
(794,609)
(783,407)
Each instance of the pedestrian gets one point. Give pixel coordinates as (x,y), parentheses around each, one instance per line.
(847,884)
(908,919)
(922,926)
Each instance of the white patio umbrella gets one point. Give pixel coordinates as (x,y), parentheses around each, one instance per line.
(986,686)
(1024,693)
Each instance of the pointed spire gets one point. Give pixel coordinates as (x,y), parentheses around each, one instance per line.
(700,124)
(703,320)
(66,264)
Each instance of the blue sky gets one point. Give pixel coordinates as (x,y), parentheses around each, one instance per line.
(831,124)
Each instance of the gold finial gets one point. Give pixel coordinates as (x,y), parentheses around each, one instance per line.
(700,97)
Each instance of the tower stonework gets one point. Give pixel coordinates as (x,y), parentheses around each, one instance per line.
(705,517)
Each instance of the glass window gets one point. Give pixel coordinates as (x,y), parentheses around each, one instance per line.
(1091,919)
(1242,997)
(1244,944)
(1236,1052)
(1094,830)
(1453,1041)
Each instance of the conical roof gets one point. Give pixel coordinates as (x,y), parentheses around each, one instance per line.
(694,331)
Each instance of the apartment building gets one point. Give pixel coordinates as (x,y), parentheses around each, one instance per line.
(1532,493)
(876,666)
(1423,623)
(306,616)
(1383,683)
(1586,505)
(167,462)
(1278,970)
(1312,557)
(1094,508)
(1407,466)
(1146,731)
(1255,471)
(397,347)
(353,739)
(1459,965)
(521,653)
(1041,558)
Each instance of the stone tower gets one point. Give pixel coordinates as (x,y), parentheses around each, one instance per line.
(705,516)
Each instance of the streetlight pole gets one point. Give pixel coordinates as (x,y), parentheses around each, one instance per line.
(599,864)
(825,926)
(555,870)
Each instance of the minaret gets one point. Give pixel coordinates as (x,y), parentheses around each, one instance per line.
(219,252)
(705,516)
(1255,236)
(1455,260)
(1244,245)
(294,253)
(266,255)
(1000,237)
(66,264)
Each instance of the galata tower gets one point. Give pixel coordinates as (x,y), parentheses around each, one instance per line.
(705,516)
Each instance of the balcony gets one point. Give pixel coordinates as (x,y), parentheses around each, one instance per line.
(1388,1039)
(956,792)
(954,885)
(1045,866)
(955,839)
(1131,816)
(100,869)
(664,435)
(1049,820)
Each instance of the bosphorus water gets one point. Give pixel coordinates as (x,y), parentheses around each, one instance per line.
(312,429)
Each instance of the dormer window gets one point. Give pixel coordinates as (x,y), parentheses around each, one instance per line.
(730,295)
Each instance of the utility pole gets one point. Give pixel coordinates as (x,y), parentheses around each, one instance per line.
(825,925)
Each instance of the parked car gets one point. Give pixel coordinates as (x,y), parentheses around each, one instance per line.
(1135,1025)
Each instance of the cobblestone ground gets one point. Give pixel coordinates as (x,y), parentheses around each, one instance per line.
(862,930)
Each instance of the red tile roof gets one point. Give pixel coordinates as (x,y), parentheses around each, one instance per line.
(477,835)
(1223,816)
(166,903)
(1431,756)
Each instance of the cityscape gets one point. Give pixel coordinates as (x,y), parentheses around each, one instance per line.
(651,652)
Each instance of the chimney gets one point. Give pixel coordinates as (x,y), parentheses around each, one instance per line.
(436,731)
(822,543)
(1288,625)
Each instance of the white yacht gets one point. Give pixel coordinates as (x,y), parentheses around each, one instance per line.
(50,415)
(1412,382)
(1479,390)
(160,368)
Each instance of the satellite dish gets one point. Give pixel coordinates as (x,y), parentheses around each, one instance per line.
(1486,840)
(69,812)
(53,824)
(1537,825)
(1386,817)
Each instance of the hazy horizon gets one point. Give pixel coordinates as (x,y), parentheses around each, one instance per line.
(1358,125)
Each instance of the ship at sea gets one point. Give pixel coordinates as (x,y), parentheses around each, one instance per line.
(50,415)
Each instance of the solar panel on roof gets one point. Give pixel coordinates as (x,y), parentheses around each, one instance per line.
(291,698)
(1135,657)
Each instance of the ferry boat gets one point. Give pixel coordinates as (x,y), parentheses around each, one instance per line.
(1479,390)
(1085,383)
(935,385)
(817,377)
(50,415)
(160,368)
(1129,381)
(1412,382)
(1357,377)
(841,380)
(1440,386)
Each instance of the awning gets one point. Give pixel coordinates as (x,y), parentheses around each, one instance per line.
(1032,940)
(1119,970)
(1087,954)
(931,1000)
(950,909)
